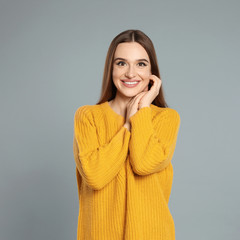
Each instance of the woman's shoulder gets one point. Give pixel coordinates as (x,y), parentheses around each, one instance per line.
(163,111)
(86,111)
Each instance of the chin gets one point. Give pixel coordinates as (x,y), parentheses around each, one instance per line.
(130,94)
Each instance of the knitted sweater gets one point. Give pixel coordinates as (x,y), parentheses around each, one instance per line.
(124,178)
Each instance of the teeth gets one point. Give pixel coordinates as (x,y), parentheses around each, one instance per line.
(130,83)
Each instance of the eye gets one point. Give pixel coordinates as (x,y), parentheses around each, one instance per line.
(143,64)
(119,63)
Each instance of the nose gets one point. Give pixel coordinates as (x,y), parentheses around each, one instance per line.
(130,73)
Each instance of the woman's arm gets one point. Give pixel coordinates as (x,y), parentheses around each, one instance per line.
(97,165)
(152,144)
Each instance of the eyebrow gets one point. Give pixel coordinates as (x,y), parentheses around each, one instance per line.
(142,59)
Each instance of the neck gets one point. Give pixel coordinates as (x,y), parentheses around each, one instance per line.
(119,104)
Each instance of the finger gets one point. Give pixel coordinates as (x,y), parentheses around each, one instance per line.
(156,79)
(139,96)
(135,98)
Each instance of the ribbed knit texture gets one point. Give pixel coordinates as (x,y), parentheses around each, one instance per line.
(124,178)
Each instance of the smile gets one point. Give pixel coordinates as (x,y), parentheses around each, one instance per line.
(130,84)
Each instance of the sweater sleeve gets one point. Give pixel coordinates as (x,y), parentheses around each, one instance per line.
(97,164)
(152,143)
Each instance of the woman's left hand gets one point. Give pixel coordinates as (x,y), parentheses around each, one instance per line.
(144,98)
(151,94)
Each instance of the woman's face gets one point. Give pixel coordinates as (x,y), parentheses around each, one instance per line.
(131,63)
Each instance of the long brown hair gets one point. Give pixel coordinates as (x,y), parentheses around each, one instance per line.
(108,91)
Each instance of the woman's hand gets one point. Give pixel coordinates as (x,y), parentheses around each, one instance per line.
(132,108)
(144,98)
(150,95)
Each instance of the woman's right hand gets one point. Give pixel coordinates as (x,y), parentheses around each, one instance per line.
(132,106)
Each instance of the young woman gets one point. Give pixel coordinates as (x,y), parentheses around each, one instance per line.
(123,148)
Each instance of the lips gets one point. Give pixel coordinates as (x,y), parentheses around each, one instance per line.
(128,85)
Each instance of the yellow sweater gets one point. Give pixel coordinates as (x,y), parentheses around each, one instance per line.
(124,178)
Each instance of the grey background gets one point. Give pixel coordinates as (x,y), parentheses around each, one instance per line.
(52,56)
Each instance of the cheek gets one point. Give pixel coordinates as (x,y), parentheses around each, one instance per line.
(116,73)
(145,74)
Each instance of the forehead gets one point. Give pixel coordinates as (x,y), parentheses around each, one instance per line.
(131,50)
